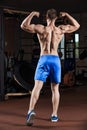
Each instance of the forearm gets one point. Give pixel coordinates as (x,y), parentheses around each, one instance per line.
(26,24)
(72,20)
(27,21)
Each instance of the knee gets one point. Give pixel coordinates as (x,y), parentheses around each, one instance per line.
(55,88)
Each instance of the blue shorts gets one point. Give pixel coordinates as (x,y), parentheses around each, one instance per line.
(48,65)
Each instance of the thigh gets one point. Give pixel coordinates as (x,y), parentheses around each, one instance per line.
(55,75)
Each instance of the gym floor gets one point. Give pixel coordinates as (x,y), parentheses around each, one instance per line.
(72,111)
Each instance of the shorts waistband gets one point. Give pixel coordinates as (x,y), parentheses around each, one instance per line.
(50,56)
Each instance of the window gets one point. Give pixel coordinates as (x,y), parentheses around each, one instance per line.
(76,45)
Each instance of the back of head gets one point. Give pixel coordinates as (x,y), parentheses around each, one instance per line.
(51,14)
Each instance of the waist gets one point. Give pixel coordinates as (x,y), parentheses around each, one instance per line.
(49,58)
(49,55)
(52,52)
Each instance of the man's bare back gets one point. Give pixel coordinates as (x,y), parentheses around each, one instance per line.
(49,36)
(50,39)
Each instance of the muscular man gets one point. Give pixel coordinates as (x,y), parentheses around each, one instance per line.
(49,63)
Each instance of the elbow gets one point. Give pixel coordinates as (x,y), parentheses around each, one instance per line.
(78,26)
(23,26)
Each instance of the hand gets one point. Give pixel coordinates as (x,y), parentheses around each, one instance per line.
(62,14)
(36,13)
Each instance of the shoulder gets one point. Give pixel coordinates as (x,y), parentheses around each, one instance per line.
(64,28)
(39,28)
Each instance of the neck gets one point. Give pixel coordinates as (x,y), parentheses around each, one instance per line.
(50,22)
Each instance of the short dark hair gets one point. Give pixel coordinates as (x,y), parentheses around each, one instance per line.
(51,14)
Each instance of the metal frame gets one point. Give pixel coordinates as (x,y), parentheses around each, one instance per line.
(2,87)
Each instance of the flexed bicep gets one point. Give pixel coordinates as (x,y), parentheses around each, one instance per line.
(32,28)
(67,28)
(27,25)
(70,29)
(29,28)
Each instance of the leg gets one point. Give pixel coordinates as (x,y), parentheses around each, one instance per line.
(55,97)
(34,97)
(35,94)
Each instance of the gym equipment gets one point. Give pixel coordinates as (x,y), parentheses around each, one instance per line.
(24,74)
(69,76)
(69,79)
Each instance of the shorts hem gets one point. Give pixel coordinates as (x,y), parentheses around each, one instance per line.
(55,82)
(40,80)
